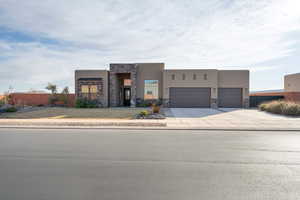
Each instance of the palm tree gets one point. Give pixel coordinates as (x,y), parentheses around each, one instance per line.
(52,88)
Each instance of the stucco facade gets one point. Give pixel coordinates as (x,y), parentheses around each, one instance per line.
(236,79)
(143,80)
(206,78)
(292,83)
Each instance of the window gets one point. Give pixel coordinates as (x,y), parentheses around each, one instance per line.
(183,76)
(84,89)
(205,76)
(89,89)
(93,89)
(173,77)
(194,76)
(127,82)
(151,89)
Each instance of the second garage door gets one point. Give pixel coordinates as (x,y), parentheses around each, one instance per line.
(190,97)
(230,97)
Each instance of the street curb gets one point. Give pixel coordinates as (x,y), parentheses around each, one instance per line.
(148,128)
(83,124)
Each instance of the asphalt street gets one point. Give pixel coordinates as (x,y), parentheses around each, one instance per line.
(86,164)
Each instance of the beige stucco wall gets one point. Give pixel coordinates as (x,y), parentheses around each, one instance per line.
(292,83)
(94,74)
(234,79)
(149,71)
(211,82)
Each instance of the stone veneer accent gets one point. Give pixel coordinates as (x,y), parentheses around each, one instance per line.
(246,103)
(114,86)
(213,103)
(166,103)
(99,96)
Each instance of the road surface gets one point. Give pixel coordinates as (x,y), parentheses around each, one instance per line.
(148,165)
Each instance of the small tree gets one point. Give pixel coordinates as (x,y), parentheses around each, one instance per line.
(64,97)
(53,97)
(2,101)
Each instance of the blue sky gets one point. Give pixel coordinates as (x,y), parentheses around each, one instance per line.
(45,41)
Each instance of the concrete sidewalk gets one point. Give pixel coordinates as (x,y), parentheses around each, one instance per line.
(81,123)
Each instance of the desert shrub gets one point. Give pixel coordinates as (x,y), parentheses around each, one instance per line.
(144,113)
(149,103)
(85,103)
(281,107)
(53,99)
(64,96)
(276,107)
(155,108)
(263,106)
(11,109)
(292,109)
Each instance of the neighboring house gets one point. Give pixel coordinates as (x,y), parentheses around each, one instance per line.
(292,83)
(133,84)
(2,97)
(291,92)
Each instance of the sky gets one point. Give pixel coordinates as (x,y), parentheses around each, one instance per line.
(45,41)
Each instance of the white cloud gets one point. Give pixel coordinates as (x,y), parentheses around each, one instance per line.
(93,33)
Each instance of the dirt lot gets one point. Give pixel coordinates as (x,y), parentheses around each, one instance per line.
(62,113)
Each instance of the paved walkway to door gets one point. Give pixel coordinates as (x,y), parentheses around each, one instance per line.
(207,118)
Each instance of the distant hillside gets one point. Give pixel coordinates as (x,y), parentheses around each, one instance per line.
(267,91)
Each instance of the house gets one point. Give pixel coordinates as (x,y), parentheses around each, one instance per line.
(136,83)
(291,92)
(292,83)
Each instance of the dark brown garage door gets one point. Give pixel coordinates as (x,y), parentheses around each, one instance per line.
(230,97)
(190,97)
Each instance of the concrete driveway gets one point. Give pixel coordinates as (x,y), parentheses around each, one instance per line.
(229,118)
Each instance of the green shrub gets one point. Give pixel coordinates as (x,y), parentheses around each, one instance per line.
(2,102)
(11,109)
(85,103)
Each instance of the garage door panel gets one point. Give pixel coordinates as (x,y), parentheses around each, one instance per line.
(230,97)
(189,97)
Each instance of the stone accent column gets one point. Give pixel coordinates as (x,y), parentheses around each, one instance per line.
(116,69)
(113,89)
(166,103)
(213,103)
(133,77)
(246,103)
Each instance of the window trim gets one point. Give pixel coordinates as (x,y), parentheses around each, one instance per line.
(154,91)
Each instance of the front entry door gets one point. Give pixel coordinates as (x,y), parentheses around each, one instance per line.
(127,96)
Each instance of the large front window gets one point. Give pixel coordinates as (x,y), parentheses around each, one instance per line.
(89,89)
(151,89)
(85,89)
